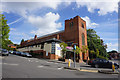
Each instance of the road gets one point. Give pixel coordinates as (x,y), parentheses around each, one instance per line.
(21,67)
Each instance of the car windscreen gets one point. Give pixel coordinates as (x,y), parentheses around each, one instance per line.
(27,53)
(4,51)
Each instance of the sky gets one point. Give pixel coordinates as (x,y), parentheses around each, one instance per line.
(29,18)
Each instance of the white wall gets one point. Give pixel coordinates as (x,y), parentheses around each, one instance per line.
(47,47)
(57,49)
(23,49)
(30,48)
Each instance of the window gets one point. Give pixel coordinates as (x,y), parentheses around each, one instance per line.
(82,25)
(42,46)
(71,24)
(83,39)
(38,45)
(53,48)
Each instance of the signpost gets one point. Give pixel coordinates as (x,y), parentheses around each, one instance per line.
(74,56)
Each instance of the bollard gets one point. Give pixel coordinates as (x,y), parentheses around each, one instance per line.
(69,63)
(113,67)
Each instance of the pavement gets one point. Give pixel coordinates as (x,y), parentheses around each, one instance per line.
(87,68)
(22,67)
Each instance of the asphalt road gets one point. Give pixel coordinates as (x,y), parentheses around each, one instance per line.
(21,67)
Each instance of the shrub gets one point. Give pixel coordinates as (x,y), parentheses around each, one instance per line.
(102,57)
(61,59)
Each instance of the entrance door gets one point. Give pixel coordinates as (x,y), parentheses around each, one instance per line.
(83,56)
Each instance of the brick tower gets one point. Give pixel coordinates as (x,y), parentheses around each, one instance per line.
(75,32)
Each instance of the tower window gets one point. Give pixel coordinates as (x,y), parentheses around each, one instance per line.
(83,39)
(71,24)
(82,25)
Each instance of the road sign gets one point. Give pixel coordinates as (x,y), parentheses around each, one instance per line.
(74,47)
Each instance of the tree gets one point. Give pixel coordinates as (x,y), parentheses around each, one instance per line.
(22,40)
(96,44)
(97,52)
(84,49)
(4,33)
(63,47)
(92,54)
(77,51)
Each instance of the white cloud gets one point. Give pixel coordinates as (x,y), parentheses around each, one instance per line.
(46,24)
(103,6)
(112,46)
(23,8)
(89,23)
(12,29)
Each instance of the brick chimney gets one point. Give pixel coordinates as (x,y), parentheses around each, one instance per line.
(35,37)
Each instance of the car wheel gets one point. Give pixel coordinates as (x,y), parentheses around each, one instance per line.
(96,65)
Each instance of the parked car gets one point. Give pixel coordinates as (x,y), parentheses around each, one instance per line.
(10,52)
(18,53)
(102,63)
(1,50)
(14,52)
(25,54)
(5,52)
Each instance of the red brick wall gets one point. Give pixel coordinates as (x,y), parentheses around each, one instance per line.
(74,34)
(71,32)
(82,31)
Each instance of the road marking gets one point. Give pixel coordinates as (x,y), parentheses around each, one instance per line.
(1,57)
(49,62)
(50,67)
(60,68)
(29,60)
(39,66)
(11,64)
(89,71)
(37,61)
(114,74)
(56,63)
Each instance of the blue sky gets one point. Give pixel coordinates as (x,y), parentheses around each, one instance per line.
(29,18)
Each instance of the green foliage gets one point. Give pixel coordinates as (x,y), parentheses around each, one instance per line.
(102,57)
(92,52)
(77,51)
(95,44)
(97,52)
(63,47)
(4,33)
(84,48)
(17,45)
(22,40)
